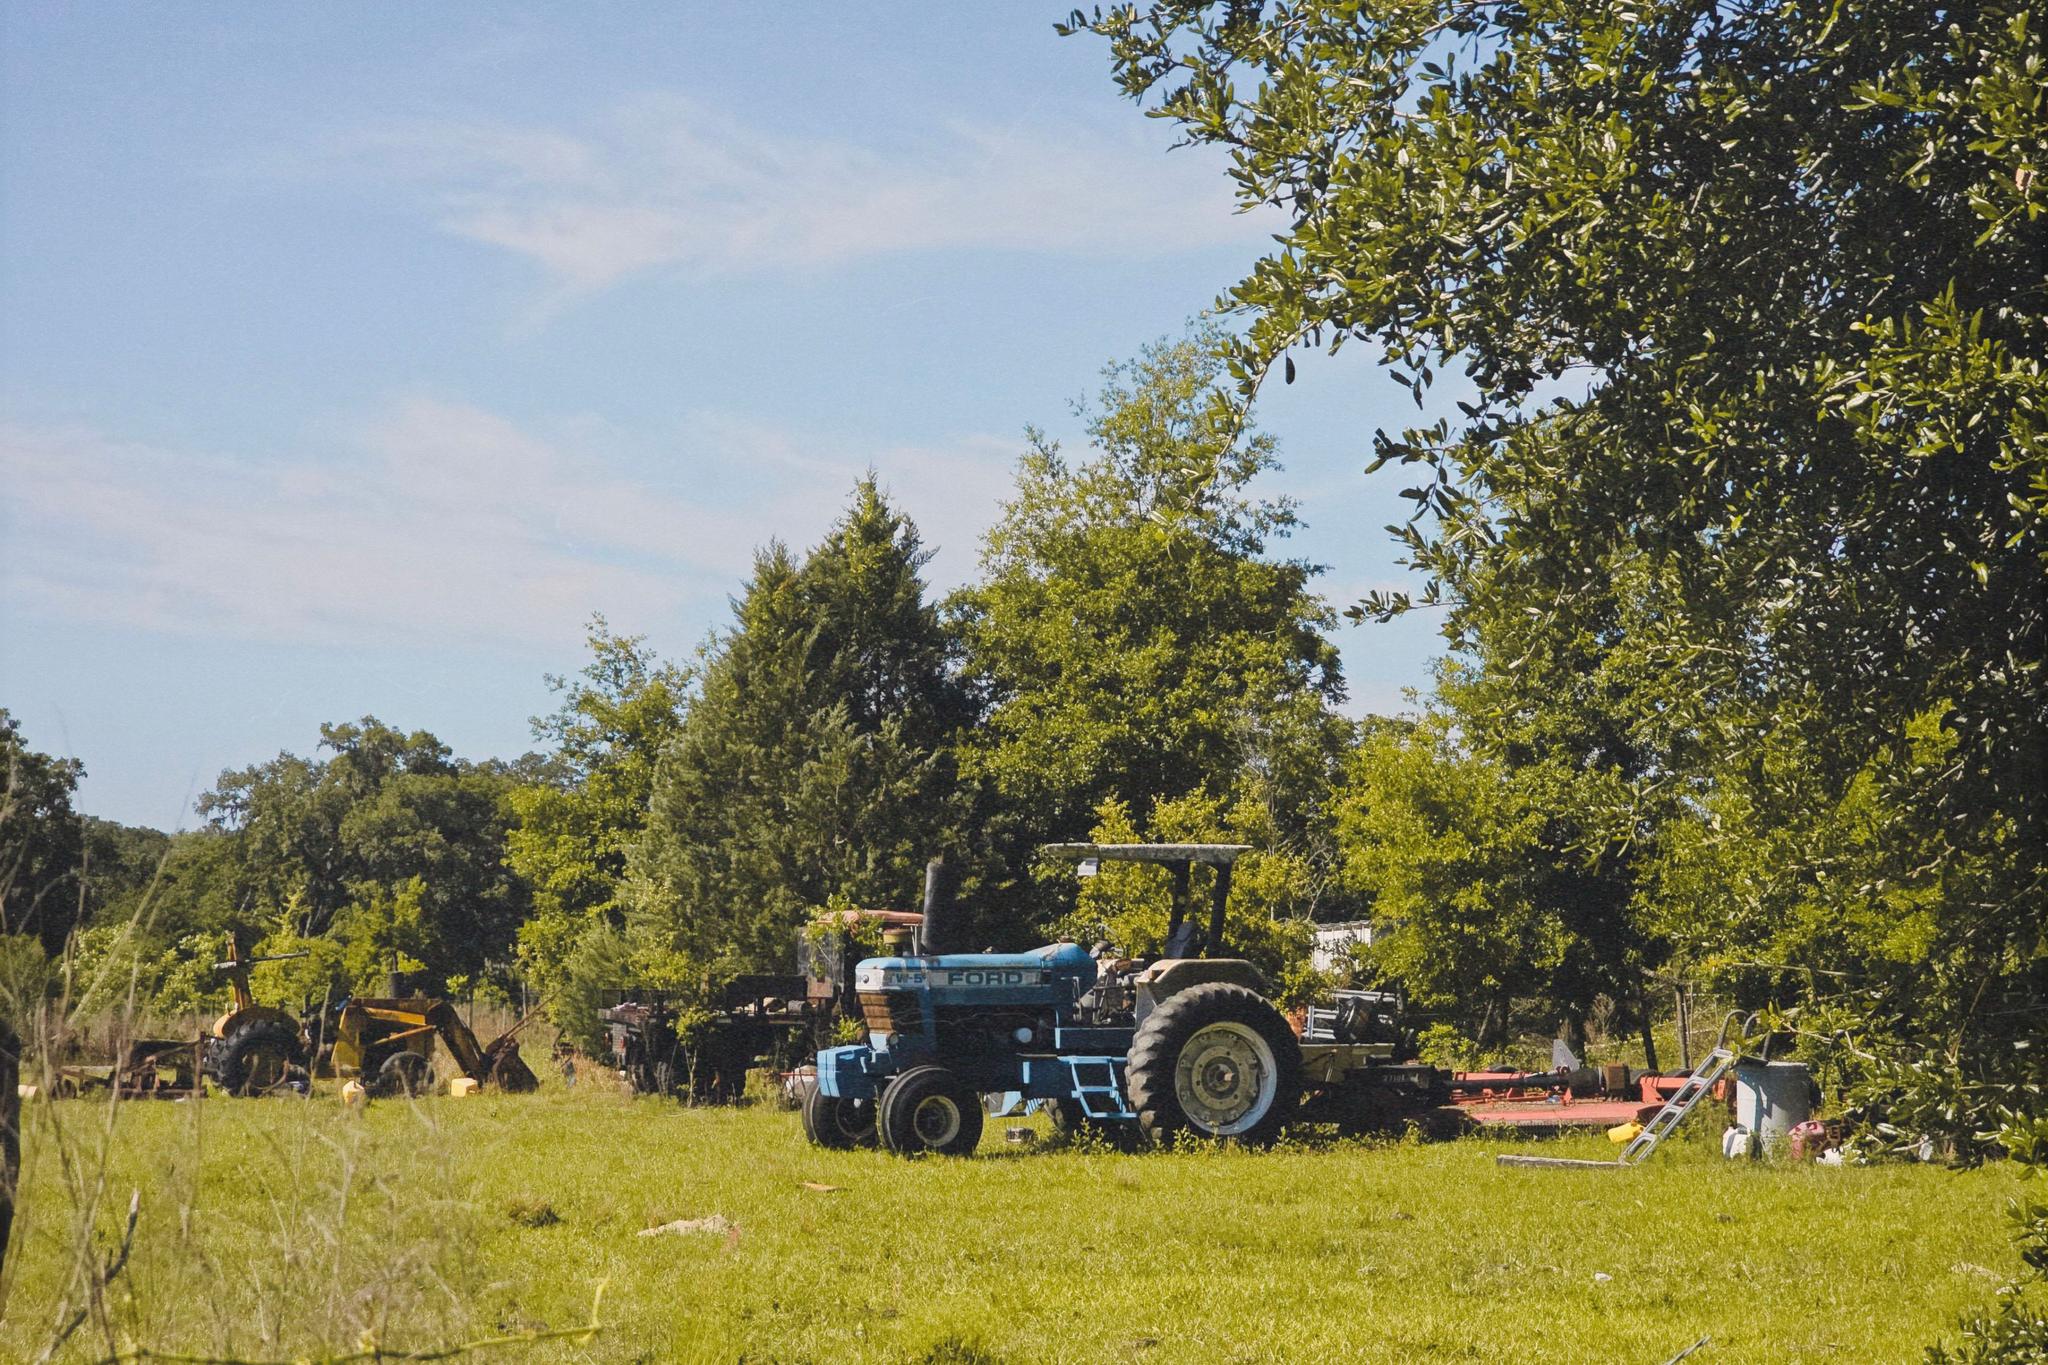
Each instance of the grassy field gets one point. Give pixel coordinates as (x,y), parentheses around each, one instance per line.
(271,1229)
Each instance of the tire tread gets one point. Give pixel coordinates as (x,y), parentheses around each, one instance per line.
(1149,1071)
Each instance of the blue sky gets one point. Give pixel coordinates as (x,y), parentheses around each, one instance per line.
(351,356)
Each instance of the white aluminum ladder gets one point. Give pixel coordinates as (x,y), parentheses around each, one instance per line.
(1710,1069)
(1678,1106)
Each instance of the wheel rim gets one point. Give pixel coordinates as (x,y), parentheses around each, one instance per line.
(265,1068)
(1226,1078)
(935,1120)
(851,1118)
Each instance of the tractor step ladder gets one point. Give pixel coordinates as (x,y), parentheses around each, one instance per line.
(1108,1088)
(1678,1106)
(1710,1070)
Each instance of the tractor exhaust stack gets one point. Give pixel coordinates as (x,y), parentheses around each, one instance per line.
(940,930)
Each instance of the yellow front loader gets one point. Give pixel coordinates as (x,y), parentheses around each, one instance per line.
(388,1044)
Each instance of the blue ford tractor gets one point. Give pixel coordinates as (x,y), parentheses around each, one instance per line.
(1138,1050)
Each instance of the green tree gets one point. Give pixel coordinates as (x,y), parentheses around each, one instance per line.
(1783,263)
(41,841)
(1485,903)
(588,806)
(389,840)
(815,766)
(122,865)
(1133,640)
(161,906)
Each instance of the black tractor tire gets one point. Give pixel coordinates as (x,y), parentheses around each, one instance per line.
(839,1124)
(1215,1061)
(930,1110)
(406,1075)
(257,1057)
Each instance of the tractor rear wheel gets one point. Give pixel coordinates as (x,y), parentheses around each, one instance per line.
(1217,1061)
(257,1057)
(930,1109)
(840,1124)
(405,1074)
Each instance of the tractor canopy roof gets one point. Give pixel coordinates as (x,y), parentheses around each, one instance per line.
(1221,855)
(888,919)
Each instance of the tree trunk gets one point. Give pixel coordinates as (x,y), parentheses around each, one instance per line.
(1649,1042)
(1486,1023)
(1682,1001)
(10,1131)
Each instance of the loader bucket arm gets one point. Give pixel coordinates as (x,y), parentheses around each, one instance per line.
(460,1041)
(498,1064)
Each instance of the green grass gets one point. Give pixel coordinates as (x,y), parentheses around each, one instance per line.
(277,1227)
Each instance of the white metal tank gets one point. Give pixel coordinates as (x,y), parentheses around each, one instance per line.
(1770,1098)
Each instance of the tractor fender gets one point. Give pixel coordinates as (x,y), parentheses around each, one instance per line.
(1169,976)
(235,1020)
(849,1072)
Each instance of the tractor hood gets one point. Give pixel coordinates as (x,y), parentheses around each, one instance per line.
(1041,967)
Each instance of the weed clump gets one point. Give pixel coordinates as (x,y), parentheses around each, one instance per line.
(532,1213)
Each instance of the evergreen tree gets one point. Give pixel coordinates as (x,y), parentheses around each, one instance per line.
(815,766)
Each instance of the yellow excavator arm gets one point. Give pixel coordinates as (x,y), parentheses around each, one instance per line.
(387,1023)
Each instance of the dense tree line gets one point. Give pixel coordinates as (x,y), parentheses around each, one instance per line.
(1132,660)
(1741,536)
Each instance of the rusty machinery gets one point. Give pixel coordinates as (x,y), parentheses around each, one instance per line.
(388,1044)
(660,1050)
(253,1049)
(144,1069)
(386,1041)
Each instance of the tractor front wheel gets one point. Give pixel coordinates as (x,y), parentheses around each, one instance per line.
(840,1124)
(929,1109)
(1217,1061)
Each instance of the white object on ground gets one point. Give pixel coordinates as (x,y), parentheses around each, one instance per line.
(716,1222)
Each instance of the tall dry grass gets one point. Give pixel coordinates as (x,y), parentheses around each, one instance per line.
(243,1230)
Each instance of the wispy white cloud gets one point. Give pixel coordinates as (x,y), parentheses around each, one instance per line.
(443,522)
(666,183)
